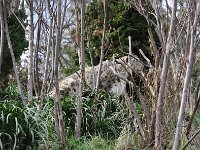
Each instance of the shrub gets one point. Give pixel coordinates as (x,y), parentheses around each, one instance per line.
(26,127)
(15,128)
(101,114)
(128,139)
(97,143)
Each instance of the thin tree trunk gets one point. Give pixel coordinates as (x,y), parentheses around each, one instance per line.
(91,60)
(155,93)
(30,65)
(57,104)
(187,78)
(140,96)
(77,45)
(136,116)
(52,41)
(44,84)
(2,33)
(130,51)
(35,59)
(157,5)
(188,128)
(14,62)
(102,44)
(190,140)
(52,69)
(64,14)
(195,108)
(82,50)
(163,77)
(82,79)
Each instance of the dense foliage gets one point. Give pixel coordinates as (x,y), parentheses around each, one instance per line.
(101,114)
(107,123)
(123,21)
(146,118)
(25,126)
(29,126)
(19,43)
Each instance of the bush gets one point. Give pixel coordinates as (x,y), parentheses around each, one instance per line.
(25,127)
(30,127)
(11,92)
(128,139)
(101,114)
(95,143)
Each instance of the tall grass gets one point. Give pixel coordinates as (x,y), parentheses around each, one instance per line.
(102,115)
(30,127)
(94,143)
(26,127)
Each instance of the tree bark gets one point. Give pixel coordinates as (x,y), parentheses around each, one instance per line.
(77,44)
(187,77)
(102,44)
(82,79)
(57,103)
(44,84)
(30,65)
(136,116)
(36,77)
(163,78)
(14,61)
(2,33)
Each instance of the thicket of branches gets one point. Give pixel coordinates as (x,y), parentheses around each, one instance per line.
(168,45)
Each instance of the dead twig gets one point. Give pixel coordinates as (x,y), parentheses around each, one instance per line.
(184,147)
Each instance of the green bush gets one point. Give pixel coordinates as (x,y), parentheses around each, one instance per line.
(95,143)
(11,93)
(102,114)
(26,127)
(19,43)
(30,127)
(15,128)
(123,21)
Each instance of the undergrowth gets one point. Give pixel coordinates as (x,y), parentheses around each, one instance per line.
(106,124)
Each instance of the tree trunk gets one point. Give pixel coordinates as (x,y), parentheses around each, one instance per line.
(136,116)
(52,64)
(14,62)
(82,68)
(35,59)
(188,128)
(44,84)
(2,33)
(102,44)
(57,103)
(77,44)
(30,65)
(187,77)
(91,58)
(82,50)
(163,77)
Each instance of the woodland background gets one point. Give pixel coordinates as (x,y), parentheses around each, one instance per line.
(43,41)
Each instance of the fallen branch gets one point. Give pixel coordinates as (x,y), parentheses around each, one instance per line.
(194,110)
(145,57)
(146,148)
(136,116)
(184,147)
(139,94)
